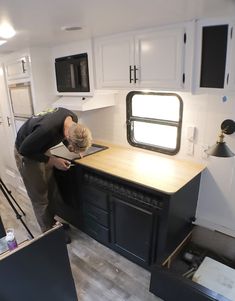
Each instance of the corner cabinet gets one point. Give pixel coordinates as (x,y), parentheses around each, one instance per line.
(147,59)
(140,223)
(214,64)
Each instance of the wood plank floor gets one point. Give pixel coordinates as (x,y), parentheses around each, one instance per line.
(100,274)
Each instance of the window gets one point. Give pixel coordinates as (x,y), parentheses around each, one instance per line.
(154,121)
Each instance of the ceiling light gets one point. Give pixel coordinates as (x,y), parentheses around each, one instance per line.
(6,31)
(2,42)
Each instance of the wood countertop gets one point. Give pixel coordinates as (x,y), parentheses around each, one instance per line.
(154,171)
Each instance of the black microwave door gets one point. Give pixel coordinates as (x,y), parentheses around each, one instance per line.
(81,75)
(72,75)
(63,76)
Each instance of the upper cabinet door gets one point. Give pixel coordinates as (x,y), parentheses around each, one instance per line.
(17,68)
(160,58)
(214,62)
(230,70)
(114,60)
(150,59)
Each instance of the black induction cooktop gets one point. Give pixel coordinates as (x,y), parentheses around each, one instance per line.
(62,152)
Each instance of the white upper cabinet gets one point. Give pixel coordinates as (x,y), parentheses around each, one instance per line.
(159,58)
(17,68)
(152,59)
(215,57)
(114,58)
(32,66)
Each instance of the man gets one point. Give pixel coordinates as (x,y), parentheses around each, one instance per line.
(35,163)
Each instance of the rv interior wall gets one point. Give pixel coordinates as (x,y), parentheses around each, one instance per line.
(216,207)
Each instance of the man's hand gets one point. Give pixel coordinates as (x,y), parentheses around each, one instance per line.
(59,163)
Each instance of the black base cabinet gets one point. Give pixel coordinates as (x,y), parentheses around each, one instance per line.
(142,224)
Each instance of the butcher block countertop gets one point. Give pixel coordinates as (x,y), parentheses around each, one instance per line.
(143,167)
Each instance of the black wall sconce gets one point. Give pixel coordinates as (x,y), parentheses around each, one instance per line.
(220,149)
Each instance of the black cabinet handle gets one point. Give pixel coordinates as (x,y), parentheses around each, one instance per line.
(130,74)
(23,66)
(8,121)
(135,78)
(227,78)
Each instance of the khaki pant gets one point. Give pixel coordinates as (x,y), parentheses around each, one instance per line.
(41,188)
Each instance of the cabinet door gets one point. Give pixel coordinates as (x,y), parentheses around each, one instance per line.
(68,204)
(68,190)
(114,58)
(230,75)
(18,68)
(131,232)
(213,52)
(160,58)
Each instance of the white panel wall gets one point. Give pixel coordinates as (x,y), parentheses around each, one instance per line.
(216,206)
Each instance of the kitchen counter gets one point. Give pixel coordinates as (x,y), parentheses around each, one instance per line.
(149,169)
(136,202)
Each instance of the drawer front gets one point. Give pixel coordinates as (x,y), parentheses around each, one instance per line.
(96,214)
(96,197)
(95,230)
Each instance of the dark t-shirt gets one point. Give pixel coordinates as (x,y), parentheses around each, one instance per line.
(41,132)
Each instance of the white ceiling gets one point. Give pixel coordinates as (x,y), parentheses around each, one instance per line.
(39,22)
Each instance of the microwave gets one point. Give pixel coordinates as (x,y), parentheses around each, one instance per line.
(72,73)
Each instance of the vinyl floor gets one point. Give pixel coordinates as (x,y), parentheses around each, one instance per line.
(100,274)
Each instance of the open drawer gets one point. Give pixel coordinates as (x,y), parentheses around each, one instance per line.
(173,281)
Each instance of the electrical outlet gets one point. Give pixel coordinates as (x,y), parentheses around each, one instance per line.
(191,133)
(190,148)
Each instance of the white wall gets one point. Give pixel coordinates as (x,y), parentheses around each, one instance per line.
(216,206)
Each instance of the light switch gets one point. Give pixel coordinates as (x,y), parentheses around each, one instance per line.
(191,133)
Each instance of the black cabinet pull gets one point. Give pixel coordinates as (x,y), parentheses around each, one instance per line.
(135,78)
(8,121)
(23,66)
(130,74)
(227,78)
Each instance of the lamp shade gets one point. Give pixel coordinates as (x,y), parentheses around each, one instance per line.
(220,149)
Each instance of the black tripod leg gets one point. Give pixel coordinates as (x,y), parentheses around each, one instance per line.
(9,193)
(18,216)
